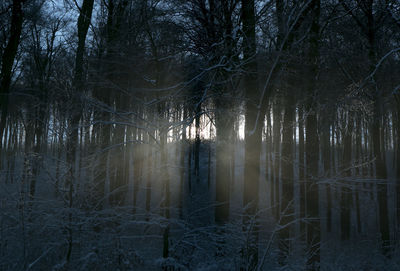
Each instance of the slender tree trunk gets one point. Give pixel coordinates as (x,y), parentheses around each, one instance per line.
(358,145)
(149,168)
(130,160)
(397,143)
(190,146)
(197,143)
(138,161)
(326,157)
(312,146)
(183,148)
(359,170)
(276,126)
(209,162)
(268,156)
(233,149)
(397,148)
(287,158)
(381,176)
(29,161)
(138,156)
(346,191)
(302,182)
(164,174)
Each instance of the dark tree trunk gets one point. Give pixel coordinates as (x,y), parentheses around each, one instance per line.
(273,162)
(326,157)
(197,143)
(224,121)
(359,170)
(118,179)
(381,177)
(276,126)
(164,173)
(183,148)
(254,123)
(312,145)
(268,156)
(149,168)
(378,148)
(302,182)
(224,130)
(29,161)
(84,19)
(76,110)
(397,143)
(7,62)
(397,150)
(287,158)
(346,191)
(106,95)
(359,147)
(189,167)
(138,162)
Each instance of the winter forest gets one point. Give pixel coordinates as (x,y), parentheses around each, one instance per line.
(200,135)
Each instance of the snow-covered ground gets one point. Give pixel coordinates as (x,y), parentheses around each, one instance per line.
(37,235)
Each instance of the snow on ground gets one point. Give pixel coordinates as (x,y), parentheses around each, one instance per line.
(37,235)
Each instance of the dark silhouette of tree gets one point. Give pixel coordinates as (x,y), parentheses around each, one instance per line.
(8,57)
(312,141)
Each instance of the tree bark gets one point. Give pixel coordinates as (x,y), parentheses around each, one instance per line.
(326,155)
(183,149)
(253,133)
(346,191)
(224,129)
(276,126)
(287,159)
(7,61)
(197,143)
(312,145)
(397,150)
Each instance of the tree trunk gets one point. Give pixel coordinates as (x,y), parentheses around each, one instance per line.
(287,159)
(397,148)
(346,193)
(197,143)
(302,182)
(164,174)
(276,126)
(254,123)
(312,146)
(378,148)
(268,156)
(224,130)
(326,156)
(381,177)
(138,157)
(224,120)
(7,62)
(149,168)
(183,148)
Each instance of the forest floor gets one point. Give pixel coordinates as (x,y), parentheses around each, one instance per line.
(36,235)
